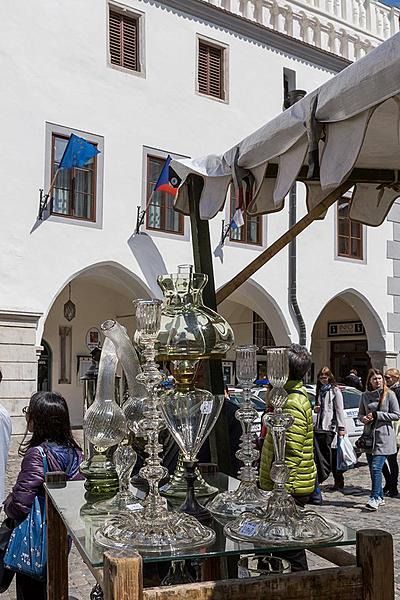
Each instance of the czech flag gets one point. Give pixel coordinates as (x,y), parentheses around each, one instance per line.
(168,180)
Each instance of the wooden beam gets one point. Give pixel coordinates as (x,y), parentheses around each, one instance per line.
(123,577)
(203,262)
(280,243)
(57,545)
(375,557)
(336,556)
(330,584)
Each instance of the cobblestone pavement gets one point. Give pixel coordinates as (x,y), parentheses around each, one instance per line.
(346,508)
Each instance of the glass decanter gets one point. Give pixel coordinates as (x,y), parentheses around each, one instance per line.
(153,529)
(190,414)
(247,496)
(283,522)
(104,423)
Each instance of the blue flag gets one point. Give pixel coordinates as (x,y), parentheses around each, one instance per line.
(77,152)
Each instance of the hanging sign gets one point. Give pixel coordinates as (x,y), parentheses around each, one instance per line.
(346,328)
(93,338)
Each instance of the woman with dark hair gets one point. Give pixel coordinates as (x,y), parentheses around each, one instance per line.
(330,416)
(378,409)
(47,419)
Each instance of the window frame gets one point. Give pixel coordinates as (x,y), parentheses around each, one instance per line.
(246,217)
(139,16)
(71,177)
(259,323)
(61,131)
(224,48)
(181,220)
(350,237)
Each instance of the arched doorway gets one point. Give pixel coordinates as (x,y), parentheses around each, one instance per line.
(100,292)
(348,334)
(44,368)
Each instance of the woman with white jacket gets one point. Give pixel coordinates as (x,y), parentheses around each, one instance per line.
(331,416)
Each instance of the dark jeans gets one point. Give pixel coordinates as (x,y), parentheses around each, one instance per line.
(337,475)
(297,558)
(390,472)
(375,464)
(30,589)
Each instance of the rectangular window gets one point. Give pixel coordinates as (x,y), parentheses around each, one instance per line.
(350,234)
(210,70)
(250,232)
(124,39)
(160,214)
(74,191)
(262,335)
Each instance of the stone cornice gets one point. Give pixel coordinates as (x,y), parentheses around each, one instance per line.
(259,33)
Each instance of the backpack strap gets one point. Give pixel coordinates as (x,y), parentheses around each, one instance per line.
(44,459)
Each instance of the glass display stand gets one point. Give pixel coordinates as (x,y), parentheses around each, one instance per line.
(82,521)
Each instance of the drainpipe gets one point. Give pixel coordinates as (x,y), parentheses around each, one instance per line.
(292,97)
(293,303)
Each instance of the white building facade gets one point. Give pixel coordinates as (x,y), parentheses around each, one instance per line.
(141,80)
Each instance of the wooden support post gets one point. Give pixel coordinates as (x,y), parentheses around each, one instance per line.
(280,243)
(203,263)
(57,545)
(375,557)
(123,577)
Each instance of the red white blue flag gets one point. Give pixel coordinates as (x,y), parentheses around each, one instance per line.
(168,180)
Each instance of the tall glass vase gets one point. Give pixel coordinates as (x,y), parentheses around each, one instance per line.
(283,521)
(154,529)
(104,425)
(248,496)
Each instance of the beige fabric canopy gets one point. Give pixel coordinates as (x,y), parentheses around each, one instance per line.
(354,122)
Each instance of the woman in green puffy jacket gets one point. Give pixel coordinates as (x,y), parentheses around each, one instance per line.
(299,455)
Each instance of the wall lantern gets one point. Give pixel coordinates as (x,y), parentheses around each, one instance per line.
(69,306)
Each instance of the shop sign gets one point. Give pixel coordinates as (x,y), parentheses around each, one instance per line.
(345,328)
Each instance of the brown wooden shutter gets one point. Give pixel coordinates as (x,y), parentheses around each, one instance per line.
(124,40)
(210,71)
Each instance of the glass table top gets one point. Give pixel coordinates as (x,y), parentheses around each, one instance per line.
(82,521)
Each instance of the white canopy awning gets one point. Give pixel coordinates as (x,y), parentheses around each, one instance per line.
(353,120)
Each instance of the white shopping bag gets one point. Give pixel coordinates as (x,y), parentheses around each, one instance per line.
(346,457)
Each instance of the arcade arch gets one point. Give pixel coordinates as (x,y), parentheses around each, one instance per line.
(348,333)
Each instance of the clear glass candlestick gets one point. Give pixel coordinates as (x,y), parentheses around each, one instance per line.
(125,500)
(248,497)
(283,521)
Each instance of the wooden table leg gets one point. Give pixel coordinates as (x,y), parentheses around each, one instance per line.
(123,577)
(57,555)
(375,557)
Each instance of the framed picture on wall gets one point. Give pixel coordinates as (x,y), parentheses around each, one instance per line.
(227,372)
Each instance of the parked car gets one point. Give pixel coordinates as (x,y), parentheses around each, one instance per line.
(351,400)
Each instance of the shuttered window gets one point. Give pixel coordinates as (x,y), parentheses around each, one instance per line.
(124,45)
(350,233)
(211,70)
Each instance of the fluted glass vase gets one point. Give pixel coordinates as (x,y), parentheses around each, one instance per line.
(248,497)
(104,423)
(283,521)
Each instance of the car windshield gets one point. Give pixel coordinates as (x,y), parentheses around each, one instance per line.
(351,398)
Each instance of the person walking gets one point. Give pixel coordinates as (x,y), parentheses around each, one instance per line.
(299,455)
(47,419)
(354,380)
(390,469)
(330,416)
(378,410)
(5,438)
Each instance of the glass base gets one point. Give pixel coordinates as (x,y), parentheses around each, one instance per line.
(247,498)
(100,475)
(177,486)
(282,523)
(122,501)
(168,532)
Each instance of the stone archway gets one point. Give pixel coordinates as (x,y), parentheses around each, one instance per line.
(99,292)
(346,345)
